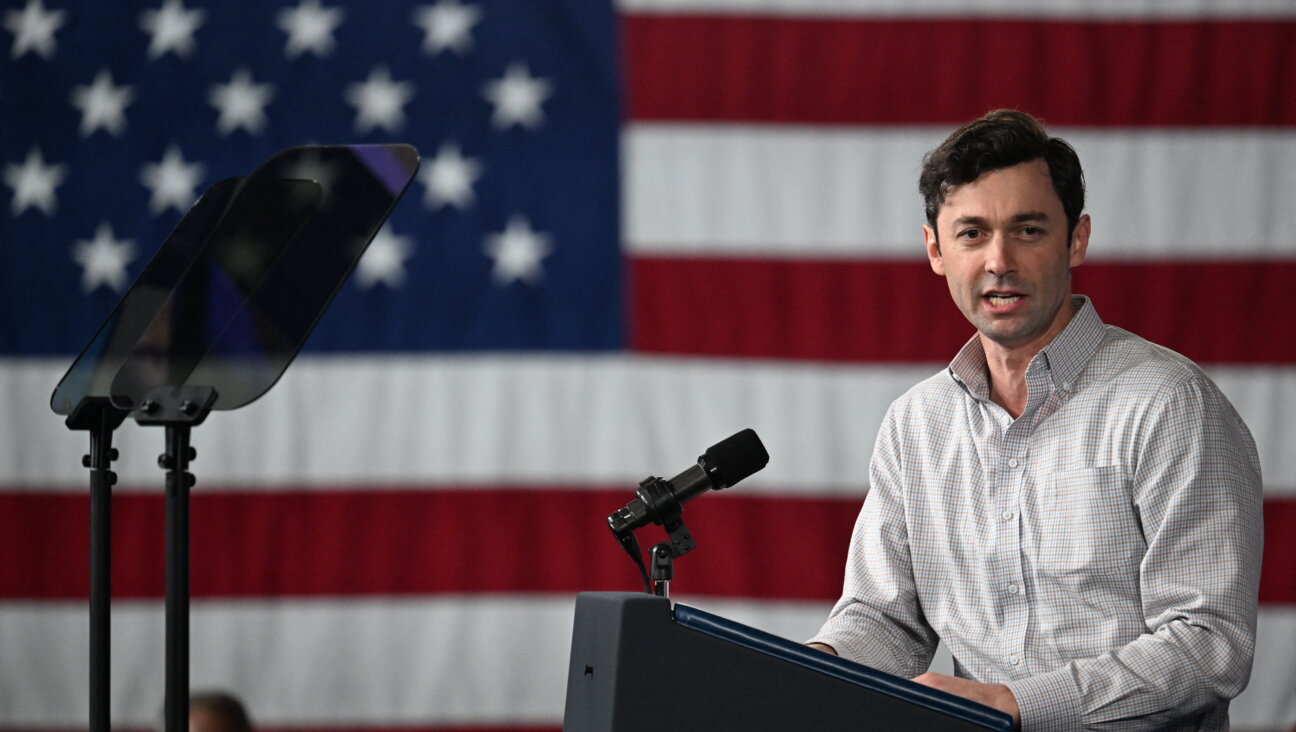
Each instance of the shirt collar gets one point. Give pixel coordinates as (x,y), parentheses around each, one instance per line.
(1065,356)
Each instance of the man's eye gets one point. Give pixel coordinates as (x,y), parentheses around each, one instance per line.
(969,234)
(1032,231)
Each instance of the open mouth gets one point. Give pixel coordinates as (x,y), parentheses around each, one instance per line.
(1000,299)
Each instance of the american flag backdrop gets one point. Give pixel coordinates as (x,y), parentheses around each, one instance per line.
(638,228)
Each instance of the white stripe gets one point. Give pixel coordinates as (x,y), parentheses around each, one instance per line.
(389,662)
(1269,701)
(801,191)
(1082,9)
(370,662)
(564,421)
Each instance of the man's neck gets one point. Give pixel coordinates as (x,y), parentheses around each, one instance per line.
(1006,365)
(1007,375)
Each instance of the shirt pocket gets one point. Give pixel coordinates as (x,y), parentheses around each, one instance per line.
(1087,523)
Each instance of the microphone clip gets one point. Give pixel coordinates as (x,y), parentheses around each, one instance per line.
(666,511)
(655,501)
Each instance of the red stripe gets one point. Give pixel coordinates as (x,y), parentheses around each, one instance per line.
(1278,571)
(366,542)
(945,71)
(893,311)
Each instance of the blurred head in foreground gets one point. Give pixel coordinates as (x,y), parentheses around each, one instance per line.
(217,711)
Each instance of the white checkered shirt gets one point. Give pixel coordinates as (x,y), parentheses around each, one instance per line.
(1100,554)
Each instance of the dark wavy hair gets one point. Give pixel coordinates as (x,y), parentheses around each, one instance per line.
(1001,139)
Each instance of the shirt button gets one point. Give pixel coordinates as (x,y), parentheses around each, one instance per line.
(1012,463)
(1009,515)
(1012,589)
(1014,660)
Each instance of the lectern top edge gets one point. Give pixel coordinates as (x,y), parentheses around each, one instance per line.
(801,655)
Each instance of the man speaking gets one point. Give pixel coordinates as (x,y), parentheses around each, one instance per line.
(1073,510)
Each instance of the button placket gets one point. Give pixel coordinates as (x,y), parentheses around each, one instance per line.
(1016,604)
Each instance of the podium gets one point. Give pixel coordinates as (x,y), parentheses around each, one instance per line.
(637,664)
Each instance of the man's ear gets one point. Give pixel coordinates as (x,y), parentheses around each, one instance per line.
(1080,240)
(933,250)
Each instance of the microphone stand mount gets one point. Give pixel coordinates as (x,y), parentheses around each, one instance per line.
(663,569)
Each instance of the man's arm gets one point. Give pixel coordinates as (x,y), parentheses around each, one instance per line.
(877,621)
(1197,490)
(997,696)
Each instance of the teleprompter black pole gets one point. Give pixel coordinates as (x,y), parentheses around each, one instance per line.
(97,416)
(178,409)
(178,483)
(101,480)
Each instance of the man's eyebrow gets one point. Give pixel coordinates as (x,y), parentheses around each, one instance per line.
(1029,216)
(1016,218)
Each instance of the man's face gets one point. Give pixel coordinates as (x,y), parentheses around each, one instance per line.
(1003,252)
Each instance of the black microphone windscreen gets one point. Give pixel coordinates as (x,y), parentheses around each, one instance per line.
(737,457)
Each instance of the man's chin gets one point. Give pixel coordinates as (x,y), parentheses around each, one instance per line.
(1004,334)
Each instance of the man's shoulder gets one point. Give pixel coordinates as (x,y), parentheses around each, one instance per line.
(938,391)
(1133,363)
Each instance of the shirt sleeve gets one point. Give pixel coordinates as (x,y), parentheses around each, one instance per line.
(1197,489)
(877,621)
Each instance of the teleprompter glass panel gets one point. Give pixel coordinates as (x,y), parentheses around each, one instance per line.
(91,374)
(231,297)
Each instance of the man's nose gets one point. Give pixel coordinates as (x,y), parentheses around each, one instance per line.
(999,256)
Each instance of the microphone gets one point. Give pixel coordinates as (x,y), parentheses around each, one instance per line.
(723,464)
